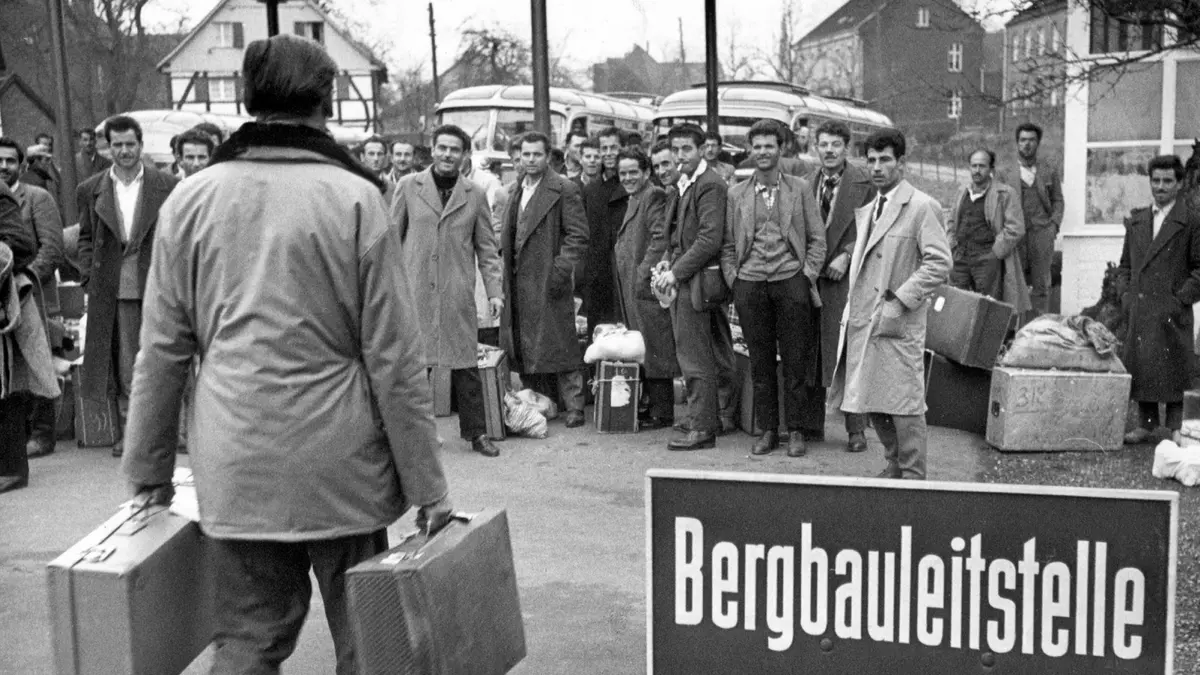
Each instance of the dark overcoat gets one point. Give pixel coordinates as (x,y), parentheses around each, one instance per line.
(543,252)
(100,254)
(1159,281)
(604,203)
(640,311)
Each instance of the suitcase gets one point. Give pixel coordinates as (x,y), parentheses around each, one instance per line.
(71,302)
(967,327)
(618,388)
(97,422)
(741,370)
(441,606)
(956,395)
(439,382)
(1049,410)
(131,598)
(494,374)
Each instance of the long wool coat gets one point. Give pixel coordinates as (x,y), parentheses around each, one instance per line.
(640,311)
(442,248)
(543,252)
(1159,280)
(100,253)
(908,254)
(1002,208)
(854,191)
(604,204)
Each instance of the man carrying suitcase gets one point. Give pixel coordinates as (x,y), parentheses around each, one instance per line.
(311,427)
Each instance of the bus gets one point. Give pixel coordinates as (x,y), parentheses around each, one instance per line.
(492,115)
(741,104)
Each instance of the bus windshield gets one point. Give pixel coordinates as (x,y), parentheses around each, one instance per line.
(512,122)
(474,121)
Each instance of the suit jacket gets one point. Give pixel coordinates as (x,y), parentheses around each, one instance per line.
(40,212)
(101,252)
(804,230)
(1048,183)
(695,229)
(1002,208)
(15,232)
(86,167)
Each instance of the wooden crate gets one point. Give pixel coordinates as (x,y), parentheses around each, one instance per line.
(494,373)
(439,381)
(1057,410)
(617,413)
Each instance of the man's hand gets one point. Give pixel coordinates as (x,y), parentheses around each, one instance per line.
(431,518)
(665,282)
(837,267)
(495,306)
(153,495)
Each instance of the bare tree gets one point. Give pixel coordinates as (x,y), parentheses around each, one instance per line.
(737,64)
(785,62)
(492,56)
(408,102)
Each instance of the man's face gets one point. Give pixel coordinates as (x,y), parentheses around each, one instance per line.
(589,159)
(802,139)
(375,156)
(1164,186)
(664,167)
(534,158)
(573,147)
(631,175)
(47,141)
(886,170)
(87,141)
(686,154)
(1027,144)
(764,148)
(712,149)
(193,157)
(610,147)
(10,166)
(981,169)
(126,148)
(832,150)
(447,154)
(402,156)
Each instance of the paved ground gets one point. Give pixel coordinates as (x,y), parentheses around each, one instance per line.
(575,505)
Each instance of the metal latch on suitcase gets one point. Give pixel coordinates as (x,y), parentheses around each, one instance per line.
(96,554)
(397,558)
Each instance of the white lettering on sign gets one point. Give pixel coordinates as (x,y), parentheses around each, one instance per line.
(949,594)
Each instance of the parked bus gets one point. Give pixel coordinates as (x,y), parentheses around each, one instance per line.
(495,114)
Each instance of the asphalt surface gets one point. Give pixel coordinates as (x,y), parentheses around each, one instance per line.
(575,504)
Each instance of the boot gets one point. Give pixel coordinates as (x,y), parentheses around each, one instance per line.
(796,445)
(768,441)
(43,423)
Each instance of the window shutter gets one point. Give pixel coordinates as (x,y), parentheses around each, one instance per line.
(239,37)
(298,28)
(201,88)
(343,87)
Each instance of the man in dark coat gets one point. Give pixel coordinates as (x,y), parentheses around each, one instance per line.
(1159,281)
(14,410)
(543,241)
(604,203)
(88,162)
(839,188)
(118,210)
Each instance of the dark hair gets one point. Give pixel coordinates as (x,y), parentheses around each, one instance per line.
(452,130)
(195,137)
(1167,163)
(173,143)
(536,137)
(688,130)
(637,155)
(882,139)
(211,129)
(1028,126)
(766,128)
(572,134)
(612,131)
(833,128)
(515,143)
(393,144)
(557,157)
(86,130)
(660,146)
(374,139)
(41,135)
(633,139)
(6,142)
(288,74)
(991,156)
(589,143)
(121,124)
(713,136)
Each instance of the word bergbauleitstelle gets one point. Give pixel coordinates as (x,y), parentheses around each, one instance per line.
(1030,600)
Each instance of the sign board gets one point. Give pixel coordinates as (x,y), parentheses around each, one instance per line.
(753,573)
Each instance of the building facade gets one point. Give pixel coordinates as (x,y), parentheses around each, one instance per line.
(1034,66)
(203,72)
(639,72)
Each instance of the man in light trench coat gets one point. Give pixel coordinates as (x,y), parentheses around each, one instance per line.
(900,257)
(447,229)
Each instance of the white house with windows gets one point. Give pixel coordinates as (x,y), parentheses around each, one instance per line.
(204,71)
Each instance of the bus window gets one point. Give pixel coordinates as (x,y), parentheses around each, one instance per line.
(511,122)
(474,121)
(599,123)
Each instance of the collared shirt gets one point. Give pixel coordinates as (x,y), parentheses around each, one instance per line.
(769,191)
(528,187)
(685,181)
(876,214)
(1028,174)
(1160,216)
(831,182)
(127,195)
(976,196)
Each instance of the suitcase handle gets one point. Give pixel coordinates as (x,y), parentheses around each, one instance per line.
(396,558)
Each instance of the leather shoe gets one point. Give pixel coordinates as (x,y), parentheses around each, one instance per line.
(12,483)
(1137,436)
(857,442)
(484,446)
(118,449)
(768,441)
(694,440)
(38,448)
(574,418)
(796,445)
(892,471)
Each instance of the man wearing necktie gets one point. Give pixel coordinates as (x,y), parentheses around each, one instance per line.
(1159,281)
(901,256)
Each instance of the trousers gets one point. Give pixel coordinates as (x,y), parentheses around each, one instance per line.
(704,349)
(777,321)
(904,443)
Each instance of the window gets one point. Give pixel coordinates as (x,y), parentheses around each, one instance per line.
(310,29)
(222,89)
(1126,32)
(1055,38)
(1040,42)
(956,55)
(1028,39)
(1016,47)
(922,17)
(229,34)
(1054,97)
(954,109)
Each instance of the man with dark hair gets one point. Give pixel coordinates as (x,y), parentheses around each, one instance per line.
(446,226)
(88,162)
(1159,281)
(574,139)
(604,203)
(900,258)
(40,171)
(631,140)
(303,460)
(590,166)
(690,264)
(558,161)
(544,241)
(666,175)
(985,229)
(1038,183)
(772,252)
(402,161)
(514,154)
(118,212)
(211,130)
(839,188)
(375,156)
(713,145)
(195,151)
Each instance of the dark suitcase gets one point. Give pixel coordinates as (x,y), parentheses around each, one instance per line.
(957,395)
(967,327)
(132,598)
(441,606)
(495,376)
(97,422)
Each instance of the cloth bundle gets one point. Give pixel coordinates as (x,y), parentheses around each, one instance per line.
(523,418)
(1065,343)
(1180,463)
(615,342)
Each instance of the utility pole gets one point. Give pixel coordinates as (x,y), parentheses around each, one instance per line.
(62,115)
(541,69)
(710,62)
(272,16)
(437,88)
